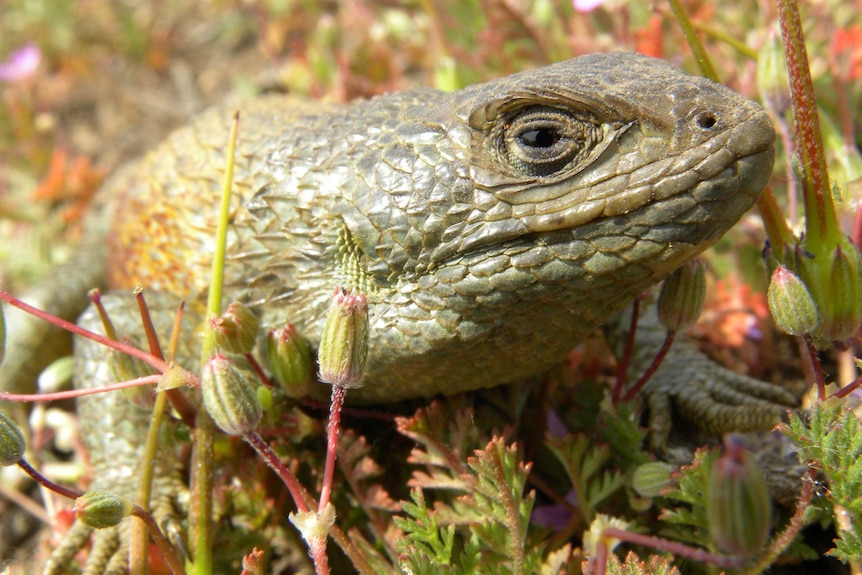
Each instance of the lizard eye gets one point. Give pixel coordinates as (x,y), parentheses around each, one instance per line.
(541,141)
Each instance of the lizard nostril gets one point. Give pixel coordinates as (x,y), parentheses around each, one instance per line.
(705,120)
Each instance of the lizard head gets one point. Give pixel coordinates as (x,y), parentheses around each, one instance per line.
(494,227)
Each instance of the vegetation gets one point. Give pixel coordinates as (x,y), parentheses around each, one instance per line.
(531,478)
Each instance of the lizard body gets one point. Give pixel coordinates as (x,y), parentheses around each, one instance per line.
(481,258)
(490,228)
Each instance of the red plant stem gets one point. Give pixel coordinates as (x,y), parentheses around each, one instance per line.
(318,555)
(272,460)
(338,393)
(627,352)
(147,321)
(145,380)
(675,547)
(258,370)
(820,212)
(653,367)
(45,482)
(598,565)
(815,365)
(848,389)
(168,552)
(157,364)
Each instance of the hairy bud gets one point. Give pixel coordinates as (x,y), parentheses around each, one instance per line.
(289,359)
(11,441)
(738,504)
(344,344)
(229,396)
(101,509)
(790,303)
(236,330)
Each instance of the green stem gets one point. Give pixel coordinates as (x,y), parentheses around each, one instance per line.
(693,41)
(203,470)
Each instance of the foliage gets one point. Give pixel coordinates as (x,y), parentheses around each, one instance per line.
(831,442)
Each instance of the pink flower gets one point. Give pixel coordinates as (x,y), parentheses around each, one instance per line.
(586,5)
(20,64)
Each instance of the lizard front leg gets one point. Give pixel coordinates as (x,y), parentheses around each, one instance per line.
(113,429)
(704,393)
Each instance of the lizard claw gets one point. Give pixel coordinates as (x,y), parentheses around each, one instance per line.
(711,397)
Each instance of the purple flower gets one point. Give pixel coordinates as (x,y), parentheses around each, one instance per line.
(20,64)
(555,517)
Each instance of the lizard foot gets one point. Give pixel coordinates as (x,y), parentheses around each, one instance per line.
(706,394)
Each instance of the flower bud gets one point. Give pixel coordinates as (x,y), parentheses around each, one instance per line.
(681,299)
(790,303)
(289,357)
(236,330)
(101,509)
(738,504)
(651,479)
(229,396)
(344,343)
(841,318)
(11,441)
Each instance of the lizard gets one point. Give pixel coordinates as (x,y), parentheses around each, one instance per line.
(490,228)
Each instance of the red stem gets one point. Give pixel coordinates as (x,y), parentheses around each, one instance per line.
(145,380)
(815,365)
(45,482)
(272,460)
(627,352)
(147,358)
(653,367)
(338,393)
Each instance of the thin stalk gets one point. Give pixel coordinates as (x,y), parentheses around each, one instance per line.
(693,41)
(203,470)
(653,367)
(170,555)
(156,363)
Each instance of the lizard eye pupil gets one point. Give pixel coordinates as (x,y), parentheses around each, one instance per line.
(543,138)
(540,141)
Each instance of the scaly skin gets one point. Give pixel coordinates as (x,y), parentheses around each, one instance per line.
(491,228)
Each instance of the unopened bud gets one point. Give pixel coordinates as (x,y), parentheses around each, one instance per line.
(344,344)
(101,509)
(229,396)
(11,441)
(843,312)
(682,294)
(738,504)
(652,479)
(236,330)
(790,303)
(289,357)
